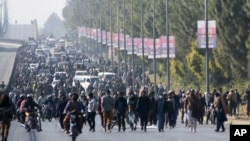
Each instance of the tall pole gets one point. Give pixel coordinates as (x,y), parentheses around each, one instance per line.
(168,58)
(111,39)
(106,40)
(118,30)
(142,37)
(124,34)
(90,34)
(154,46)
(101,23)
(86,24)
(97,49)
(207,49)
(132,36)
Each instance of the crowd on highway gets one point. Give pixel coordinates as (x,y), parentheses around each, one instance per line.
(49,80)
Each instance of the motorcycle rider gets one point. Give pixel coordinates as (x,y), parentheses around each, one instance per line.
(72,106)
(84,100)
(50,106)
(20,114)
(29,107)
(41,99)
(60,109)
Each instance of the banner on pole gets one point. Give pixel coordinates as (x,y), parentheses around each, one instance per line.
(201,33)
(164,48)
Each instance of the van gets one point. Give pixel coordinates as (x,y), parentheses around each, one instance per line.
(85,80)
(106,75)
(39,52)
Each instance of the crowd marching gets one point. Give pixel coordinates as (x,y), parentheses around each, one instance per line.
(111,99)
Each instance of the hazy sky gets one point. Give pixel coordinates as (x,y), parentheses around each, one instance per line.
(23,11)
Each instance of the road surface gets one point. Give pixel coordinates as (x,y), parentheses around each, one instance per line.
(52,132)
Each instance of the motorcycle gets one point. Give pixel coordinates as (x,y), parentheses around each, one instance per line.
(47,112)
(73,125)
(34,120)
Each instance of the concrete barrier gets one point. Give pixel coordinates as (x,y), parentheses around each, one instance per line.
(10,43)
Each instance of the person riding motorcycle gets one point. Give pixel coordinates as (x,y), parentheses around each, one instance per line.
(49,107)
(60,109)
(73,105)
(29,107)
(20,113)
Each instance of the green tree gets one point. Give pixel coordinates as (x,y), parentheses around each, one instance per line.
(232,19)
(54,26)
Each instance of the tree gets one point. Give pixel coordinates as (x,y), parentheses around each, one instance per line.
(54,26)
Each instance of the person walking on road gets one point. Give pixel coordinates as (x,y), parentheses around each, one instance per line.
(161,108)
(99,106)
(107,109)
(132,113)
(121,109)
(248,101)
(143,109)
(220,114)
(192,108)
(7,110)
(92,105)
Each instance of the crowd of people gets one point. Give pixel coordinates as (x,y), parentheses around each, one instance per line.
(110,100)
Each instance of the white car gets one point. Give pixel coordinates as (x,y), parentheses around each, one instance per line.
(81,72)
(43,72)
(59,74)
(106,75)
(85,80)
(33,66)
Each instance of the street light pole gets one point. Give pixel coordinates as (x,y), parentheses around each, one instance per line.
(142,37)
(90,34)
(106,40)
(111,38)
(132,37)
(207,49)
(101,24)
(97,49)
(124,34)
(154,46)
(167,34)
(118,30)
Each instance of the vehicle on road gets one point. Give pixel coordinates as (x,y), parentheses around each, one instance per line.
(73,125)
(81,72)
(34,120)
(106,75)
(85,80)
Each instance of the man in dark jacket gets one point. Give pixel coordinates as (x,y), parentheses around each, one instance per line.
(248,100)
(29,107)
(7,110)
(121,109)
(107,105)
(143,109)
(153,114)
(132,113)
(60,109)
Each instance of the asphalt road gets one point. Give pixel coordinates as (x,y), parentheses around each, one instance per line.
(52,132)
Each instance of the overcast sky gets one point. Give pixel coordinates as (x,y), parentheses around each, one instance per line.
(23,11)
